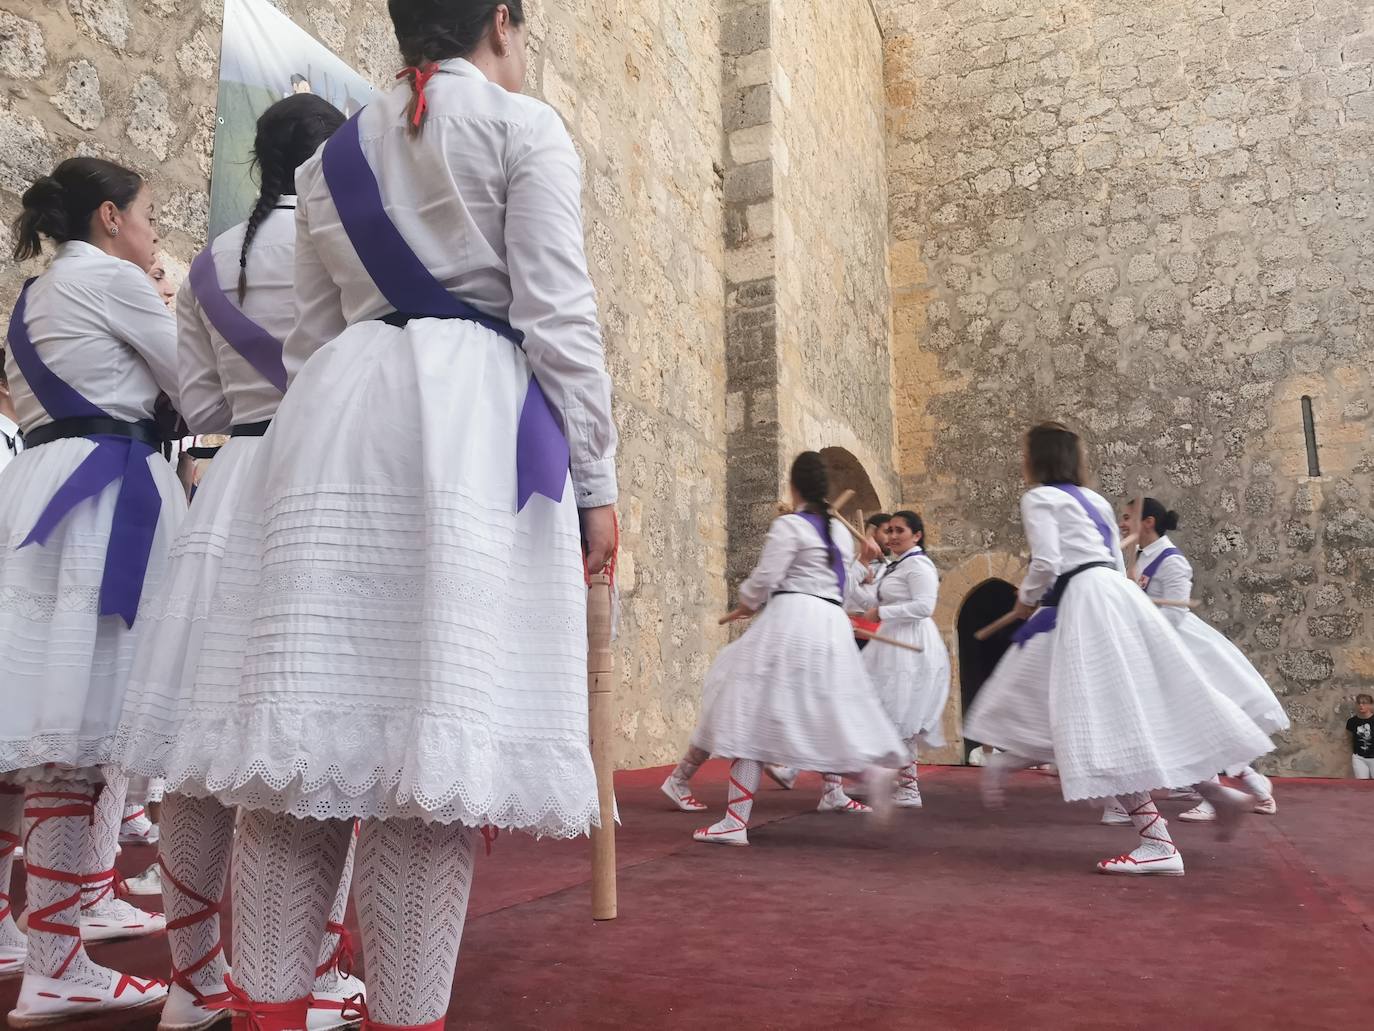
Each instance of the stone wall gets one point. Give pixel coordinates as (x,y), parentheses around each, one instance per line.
(829,171)
(807,304)
(640,87)
(1151,220)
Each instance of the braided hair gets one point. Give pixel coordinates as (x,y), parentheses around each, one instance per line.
(288,133)
(428,31)
(811,481)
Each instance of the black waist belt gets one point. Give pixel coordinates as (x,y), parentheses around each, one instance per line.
(250,429)
(400,318)
(1056,592)
(145,431)
(808,594)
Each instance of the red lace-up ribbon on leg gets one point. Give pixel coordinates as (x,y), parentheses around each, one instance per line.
(341,959)
(354,1008)
(419,79)
(264,1016)
(905,779)
(489,836)
(77,804)
(745,796)
(183,977)
(1142,810)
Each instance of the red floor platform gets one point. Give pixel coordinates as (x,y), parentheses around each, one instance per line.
(959,919)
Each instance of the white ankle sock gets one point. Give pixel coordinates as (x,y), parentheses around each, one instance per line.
(1256,783)
(690,763)
(834,788)
(412,893)
(197,836)
(285,873)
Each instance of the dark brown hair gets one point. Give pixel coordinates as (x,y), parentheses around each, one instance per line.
(288,133)
(436,30)
(60,206)
(1054,454)
(811,480)
(1166,520)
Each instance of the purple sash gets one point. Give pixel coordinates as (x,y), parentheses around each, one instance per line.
(138,505)
(818,523)
(541,449)
(258,348)
(1045,618)
(1153,567)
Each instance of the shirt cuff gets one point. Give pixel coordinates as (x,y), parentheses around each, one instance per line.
(594,483)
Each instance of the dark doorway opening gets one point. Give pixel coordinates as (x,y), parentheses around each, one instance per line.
(989,601)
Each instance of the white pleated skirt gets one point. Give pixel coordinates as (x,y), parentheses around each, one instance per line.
(792,690)
(64,667)
(913,686)
(1113,696)
(1229,671)
(387,636)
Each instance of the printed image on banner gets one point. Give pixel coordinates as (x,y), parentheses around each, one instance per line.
(264,57)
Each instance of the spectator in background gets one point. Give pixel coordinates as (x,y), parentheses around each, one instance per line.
(166,289)
(1361,728)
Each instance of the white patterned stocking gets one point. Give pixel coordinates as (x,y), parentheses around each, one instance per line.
(335,946)
(197,835)
(57,820)
(102,842)
(285,874)
(412,894)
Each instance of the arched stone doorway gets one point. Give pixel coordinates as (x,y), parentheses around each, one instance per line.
(848,473)
(958,587)
(987,602)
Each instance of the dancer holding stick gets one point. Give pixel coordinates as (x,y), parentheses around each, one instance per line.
(791,690)
(1097,682)
(913,683)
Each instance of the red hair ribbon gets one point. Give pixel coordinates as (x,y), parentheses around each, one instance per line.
(419,79)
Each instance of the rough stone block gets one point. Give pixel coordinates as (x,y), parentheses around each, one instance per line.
(22,53)
(80,99)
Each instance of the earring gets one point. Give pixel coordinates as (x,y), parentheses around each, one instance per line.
(114,230)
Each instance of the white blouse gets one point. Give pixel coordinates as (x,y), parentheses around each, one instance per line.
(99,325)
(906,590)
(218,386)
(489,196)
(795,559)
(10,442)
(1062,537)
(1172,581)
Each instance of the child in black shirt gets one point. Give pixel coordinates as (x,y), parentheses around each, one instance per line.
(1361,729)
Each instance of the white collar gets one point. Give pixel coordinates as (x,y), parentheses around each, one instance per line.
(1155,548)
(462,66)
(7,425)
(78,248)
(286,200)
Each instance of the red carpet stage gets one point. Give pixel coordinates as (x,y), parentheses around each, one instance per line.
(962,919)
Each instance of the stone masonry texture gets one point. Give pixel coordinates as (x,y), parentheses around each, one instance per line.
(900,232)
(1153,221)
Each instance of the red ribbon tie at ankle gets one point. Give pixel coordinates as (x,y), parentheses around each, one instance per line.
(219,1000)
(341,959)
(266,1016)
(489,835)
(419,79)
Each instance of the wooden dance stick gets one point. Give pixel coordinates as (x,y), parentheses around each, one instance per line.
(1176,603)
(996,625)
(735,615)
(600,668)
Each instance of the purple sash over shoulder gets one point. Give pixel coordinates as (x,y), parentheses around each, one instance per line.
(138,505)
(541,449)
(255,345)
(818,524)
(1149,572)
(1045,618)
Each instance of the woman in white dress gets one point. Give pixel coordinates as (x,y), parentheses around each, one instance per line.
(87,512)
(913,686)
(1097,681)
(792,689)
(400,631)
(1163,572)
(234,312)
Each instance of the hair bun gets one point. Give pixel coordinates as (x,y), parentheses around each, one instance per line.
(1170,520)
